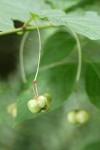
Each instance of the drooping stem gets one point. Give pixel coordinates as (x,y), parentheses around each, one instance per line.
(27,23)
(22,49)
(35,88)
(38,65)
(22,62)
(21,57)
(35,92)
(78,74)
(79,56)
(39,57)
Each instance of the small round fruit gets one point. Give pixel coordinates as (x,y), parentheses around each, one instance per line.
(33,106)
(48,96)
(42,100)
(71,117)
(82,116)
(12,109)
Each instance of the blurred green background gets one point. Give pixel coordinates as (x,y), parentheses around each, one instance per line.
(50,131)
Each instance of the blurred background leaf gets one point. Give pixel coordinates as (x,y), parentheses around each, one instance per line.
(93,83)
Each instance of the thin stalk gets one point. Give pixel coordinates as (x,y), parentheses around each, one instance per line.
(27,28)
(27,23)
(21,57)
(22,62)
(79,56)
(39,57)
(79,66)
(36,90)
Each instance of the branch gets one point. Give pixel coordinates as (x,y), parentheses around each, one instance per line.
(23,28)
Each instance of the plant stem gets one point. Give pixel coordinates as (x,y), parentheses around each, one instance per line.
(79,56)
(27,23)
(27,28)
(21,57)
(39,37)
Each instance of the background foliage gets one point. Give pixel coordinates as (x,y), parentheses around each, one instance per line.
(57,74)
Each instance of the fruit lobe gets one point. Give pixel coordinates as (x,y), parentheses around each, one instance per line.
(48,96)
(33,106)
(42,100)
(71,117)
(82,116)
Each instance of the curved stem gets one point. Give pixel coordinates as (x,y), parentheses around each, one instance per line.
(79,56)
(21,57)
(39,36)
(39,57)
(27,23)
(79,65)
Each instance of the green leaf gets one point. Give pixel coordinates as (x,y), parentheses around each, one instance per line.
(5,23)
(92,146)
(63,4)
(55,77)
(93,83)
(58,45)
(18,10)
(91,51)
(91,54)
(86,24)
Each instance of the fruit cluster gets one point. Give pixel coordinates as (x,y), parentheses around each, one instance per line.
(78,116)
(41,103)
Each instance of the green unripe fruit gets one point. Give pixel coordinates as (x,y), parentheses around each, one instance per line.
(71,117)
(33,106)
(48,105)
(40,104)
(78,117)
(12,109)
(42,100)
(48,96)
(82,116)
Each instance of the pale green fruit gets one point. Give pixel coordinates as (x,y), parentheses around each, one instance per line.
(48,105)
(33,106)
(42,100)
(48,96)
(71,117)
(82,116)
(78,117)
(12,109)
